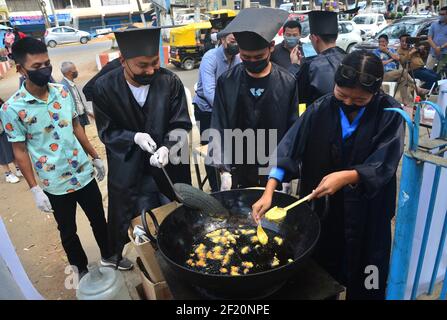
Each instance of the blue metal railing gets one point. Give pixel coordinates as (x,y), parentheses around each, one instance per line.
(408,203)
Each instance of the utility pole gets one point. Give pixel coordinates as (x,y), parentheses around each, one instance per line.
(143,18)
(42,4)
(56,22)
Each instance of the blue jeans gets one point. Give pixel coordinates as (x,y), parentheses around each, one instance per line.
(427,76)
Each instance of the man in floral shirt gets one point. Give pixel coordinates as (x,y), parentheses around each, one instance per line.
(40,120)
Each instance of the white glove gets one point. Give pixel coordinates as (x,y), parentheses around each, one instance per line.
(226,181)
(100,169)
(287,187)
(145,142)
(41,199)
(160,158)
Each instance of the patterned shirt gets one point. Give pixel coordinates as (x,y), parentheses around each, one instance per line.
(385,56)
(47,129)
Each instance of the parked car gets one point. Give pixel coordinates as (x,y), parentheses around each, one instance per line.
(417,27)
(60,35)
(370,23)
(349,34)
(289,6)
(188,18)
(377,7)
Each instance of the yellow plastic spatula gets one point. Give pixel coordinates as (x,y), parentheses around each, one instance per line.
(262,236)
(278,214)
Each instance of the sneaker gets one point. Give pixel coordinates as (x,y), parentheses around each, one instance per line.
(11,178)
(124,264)
(18,173)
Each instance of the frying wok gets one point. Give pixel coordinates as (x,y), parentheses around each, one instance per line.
(184,227)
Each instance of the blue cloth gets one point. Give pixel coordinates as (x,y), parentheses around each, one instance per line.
(384,57)
(213,64)
(349,128)
(438,32)
(277,174)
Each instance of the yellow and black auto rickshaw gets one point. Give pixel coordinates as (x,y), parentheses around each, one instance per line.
(186,44)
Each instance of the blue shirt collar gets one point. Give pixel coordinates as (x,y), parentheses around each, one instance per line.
(28,97)
(349,128)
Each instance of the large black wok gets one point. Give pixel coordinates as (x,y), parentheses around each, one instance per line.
(184,227)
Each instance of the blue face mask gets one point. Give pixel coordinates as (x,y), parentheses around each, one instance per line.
(291,42)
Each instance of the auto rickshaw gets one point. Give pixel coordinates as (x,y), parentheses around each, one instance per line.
(186,45)
(222,13)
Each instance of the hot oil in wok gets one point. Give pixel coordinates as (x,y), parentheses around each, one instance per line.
(248,256)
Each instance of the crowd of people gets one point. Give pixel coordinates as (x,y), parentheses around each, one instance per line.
(345,147)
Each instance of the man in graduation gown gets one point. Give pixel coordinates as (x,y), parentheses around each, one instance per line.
(356,228)
(137,106)
(315,75)
(255,94)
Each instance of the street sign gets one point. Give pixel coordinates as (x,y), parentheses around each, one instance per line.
(38,19)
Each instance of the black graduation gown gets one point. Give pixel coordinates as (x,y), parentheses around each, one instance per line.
(315,77)
(357,230)
(234,109)
(90,85)
(118,118)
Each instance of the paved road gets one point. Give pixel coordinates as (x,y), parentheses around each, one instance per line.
(84,56)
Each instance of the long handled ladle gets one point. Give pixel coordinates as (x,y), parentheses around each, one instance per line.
(277,214)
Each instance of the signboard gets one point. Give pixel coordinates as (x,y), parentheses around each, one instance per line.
(104,31)
(27,20)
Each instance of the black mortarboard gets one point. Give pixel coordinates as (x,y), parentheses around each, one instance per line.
(222,22)
(323,22)
(255,28)
(138,42)
(217,23)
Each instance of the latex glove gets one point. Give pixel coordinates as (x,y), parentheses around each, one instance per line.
(287,187)
(226,181)
(160,158)
(145,142)
(100,169)
(41,199)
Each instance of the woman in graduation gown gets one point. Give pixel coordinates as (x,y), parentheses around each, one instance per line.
(349,148)
(128,126)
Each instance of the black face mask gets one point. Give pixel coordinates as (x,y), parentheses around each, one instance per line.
(143,79)
(232,49)
(256,66)
(40,77)
(75,75)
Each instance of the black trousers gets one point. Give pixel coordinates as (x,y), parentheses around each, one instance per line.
(64,206)
(205,122)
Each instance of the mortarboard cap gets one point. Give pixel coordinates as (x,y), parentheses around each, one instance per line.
(323,22)
(255,28)
(138,42)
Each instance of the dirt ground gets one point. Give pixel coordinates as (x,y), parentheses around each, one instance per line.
(33,233)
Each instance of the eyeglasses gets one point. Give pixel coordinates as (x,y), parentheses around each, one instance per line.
(365,79)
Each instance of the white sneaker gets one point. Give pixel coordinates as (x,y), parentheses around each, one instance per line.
(19,173)
(11,178)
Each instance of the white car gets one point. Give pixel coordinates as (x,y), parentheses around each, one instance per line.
(349,34)
(60,35)
(188,18)
(376,7)
(370,23)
